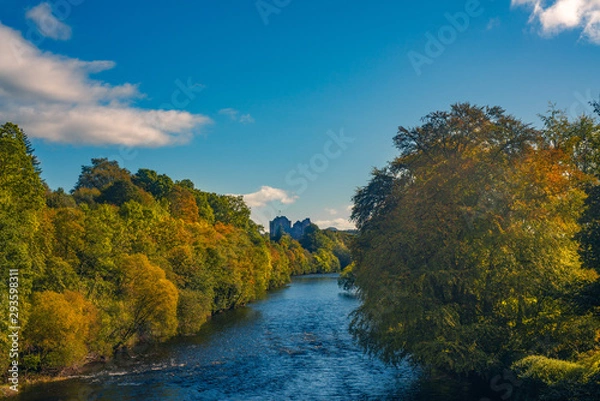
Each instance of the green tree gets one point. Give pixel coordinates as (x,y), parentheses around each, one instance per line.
(158,185)
(465,258)
(150,301)
(230,210)
(59,198)
(121,191)
(100,174)
(314,239)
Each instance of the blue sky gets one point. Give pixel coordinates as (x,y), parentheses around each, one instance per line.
(289,102)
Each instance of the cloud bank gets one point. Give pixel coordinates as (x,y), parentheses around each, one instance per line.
(53,97)
(560,15)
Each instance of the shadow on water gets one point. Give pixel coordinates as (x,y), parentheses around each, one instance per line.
(292,345)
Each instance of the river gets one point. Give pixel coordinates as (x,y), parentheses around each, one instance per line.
(293,345)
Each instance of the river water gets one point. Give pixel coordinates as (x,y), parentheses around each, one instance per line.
(293,345)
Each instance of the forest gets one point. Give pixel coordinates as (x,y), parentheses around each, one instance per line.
(478,252)
(126,259)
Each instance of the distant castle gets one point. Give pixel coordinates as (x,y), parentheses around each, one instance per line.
(281,225)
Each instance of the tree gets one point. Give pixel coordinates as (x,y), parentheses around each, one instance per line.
(183,204)
(158,185)
(59,198)
(150,301)
(596,106)
(110,266)
(205,211)
(465,258)
(314,239)
(230,210)
(121,191)
(100,174)
(60,329)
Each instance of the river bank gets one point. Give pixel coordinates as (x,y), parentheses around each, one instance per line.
(293,344)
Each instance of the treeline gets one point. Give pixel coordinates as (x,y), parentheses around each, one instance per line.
(479,251)
(127,258)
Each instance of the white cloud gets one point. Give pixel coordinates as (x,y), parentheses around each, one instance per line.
(268,194)
(47,23)
(53,97)
(339,223)
(234,115)
(331,211)
(561,15)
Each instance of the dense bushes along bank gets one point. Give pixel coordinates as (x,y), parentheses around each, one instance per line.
(129,258)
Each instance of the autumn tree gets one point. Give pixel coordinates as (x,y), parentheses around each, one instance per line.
(124,259)
(150,301)
(183,204)
(100,174)
(61,328)
(465,259)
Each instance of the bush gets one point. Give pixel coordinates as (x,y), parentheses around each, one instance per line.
(59,330)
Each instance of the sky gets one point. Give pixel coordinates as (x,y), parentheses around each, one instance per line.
(290,103)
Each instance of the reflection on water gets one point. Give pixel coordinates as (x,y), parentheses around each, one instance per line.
(294,345)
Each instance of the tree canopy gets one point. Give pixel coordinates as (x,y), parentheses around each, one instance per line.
(467,259)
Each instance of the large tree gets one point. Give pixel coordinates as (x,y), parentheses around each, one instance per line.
(465,256)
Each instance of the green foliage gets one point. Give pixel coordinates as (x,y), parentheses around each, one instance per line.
(328,249)
(124,259)
(193,310)
(101,174)
(555,380)
(59,198)
(549,371)
(314,239)
(466,259)
(21,203)
(150,301)
(149,180)
(347,278)
(230,210)
(122,191)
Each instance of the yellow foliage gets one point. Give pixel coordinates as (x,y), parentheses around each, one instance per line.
(151,299)
(60,328)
